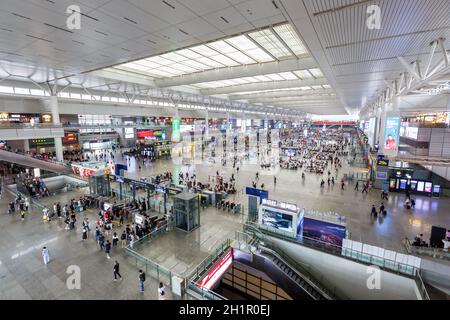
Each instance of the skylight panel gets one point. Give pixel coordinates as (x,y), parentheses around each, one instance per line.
(262,78)
(316,72)
(305,88)
(224,60)
(289,36)
(184,68)
(270,42)
(275,77)
(197,65)
(134,66)
(303,74)
(159,73)
(174,57)
(148,64)
(259,55)
(316,87)
(222,47)
(242,43)
(204,51)
(209,62)
(241,81)
(326,86)
(288,76)
(170,70)
(242,58)
(189,54)
(160,60)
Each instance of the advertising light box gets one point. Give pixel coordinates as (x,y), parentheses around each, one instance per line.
(217,271)
(420,186)
(428,187)
(391,135)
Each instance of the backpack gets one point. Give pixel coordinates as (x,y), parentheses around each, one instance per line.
(143,276)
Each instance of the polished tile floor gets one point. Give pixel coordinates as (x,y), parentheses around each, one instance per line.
(24,276)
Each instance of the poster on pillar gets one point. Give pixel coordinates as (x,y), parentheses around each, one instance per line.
(176,128)
(391,135)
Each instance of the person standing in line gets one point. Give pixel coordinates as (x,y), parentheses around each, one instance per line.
(115,239)
(141,280)
(161,291)
(108,249)
(116,271)
(123,239)
(45,255)
(101,241)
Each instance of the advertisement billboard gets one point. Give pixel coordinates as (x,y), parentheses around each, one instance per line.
(217,271)
(391,135)
(277,220)
(176,129)
(323,231)
(371,131)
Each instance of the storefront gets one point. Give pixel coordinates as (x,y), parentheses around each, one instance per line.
(146,136)
(99,145)
(24,118)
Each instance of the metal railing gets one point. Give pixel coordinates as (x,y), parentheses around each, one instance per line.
(152,268)
(300,271)
(347,253)
(436,253)
(202,292)
(421,286)
(209,261)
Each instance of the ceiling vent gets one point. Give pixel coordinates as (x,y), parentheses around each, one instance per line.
(39,38)
(224,19)
(20,16)
(102,33)
(275,4)
(168,4)
(130,20)
(55,27)
(182,31)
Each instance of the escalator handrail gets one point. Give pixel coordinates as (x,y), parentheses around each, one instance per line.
(306,278)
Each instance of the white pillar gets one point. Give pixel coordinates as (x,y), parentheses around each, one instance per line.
(206,124)
(54,107)
(26,145)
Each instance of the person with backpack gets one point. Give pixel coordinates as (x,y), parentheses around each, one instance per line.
(141,280)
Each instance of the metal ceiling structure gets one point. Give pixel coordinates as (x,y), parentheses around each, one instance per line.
(284,56)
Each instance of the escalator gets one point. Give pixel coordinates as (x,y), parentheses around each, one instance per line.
(28,161)
(297,277)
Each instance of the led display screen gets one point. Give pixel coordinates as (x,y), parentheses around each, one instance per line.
(391,133)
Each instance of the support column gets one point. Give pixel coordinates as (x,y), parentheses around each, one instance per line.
(176,126)
(206,124)
(26,145)
(54,107)
(228,123)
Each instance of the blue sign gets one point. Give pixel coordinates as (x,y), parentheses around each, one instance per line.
(119,167)
(120,179)
(262,194)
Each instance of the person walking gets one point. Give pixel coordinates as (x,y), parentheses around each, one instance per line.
(116,271)
(381,209)
(84,236)
(374,211)
(161,291)
(274,181)
(45,255)
(364,188)
(108,249)
(357,186)
(101,241)
(141,280)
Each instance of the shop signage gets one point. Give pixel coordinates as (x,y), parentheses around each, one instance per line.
(382,162)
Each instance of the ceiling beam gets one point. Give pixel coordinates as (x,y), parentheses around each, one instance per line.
(251,70)
(123,76)
(269,85)
(283,93)
(293,99)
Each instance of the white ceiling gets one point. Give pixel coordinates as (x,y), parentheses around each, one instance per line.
(356,61)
